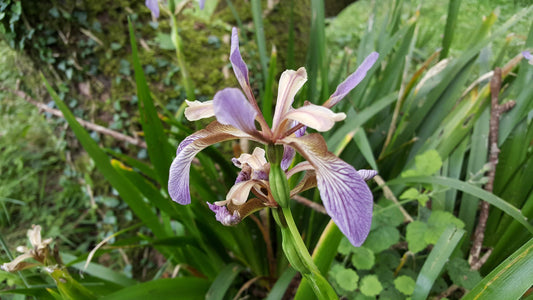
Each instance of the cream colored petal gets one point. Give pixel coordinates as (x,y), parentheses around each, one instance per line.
(197,110)
(256,160)
(289,84)
(34,235)
(238,194)
(15,264)
(315,116)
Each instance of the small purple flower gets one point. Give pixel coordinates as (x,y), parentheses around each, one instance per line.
(527,55)
(201,3)
(153,5)
(343,190)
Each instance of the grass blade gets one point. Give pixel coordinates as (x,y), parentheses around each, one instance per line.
(436,260)
(159,150)
(223,281)
(510,280)
(453,12)
(257,15)
(469,189)
(127,191)
(281,285)
(175,288)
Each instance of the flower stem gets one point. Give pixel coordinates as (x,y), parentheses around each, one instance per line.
(292,243)
(298,255)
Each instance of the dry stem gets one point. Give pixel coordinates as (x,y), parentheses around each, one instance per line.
(496,111)
(100,129)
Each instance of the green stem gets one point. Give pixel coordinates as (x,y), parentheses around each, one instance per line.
(299,257)
(292,243)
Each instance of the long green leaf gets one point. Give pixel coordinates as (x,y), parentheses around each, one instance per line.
(99,271)
(469,189)
(451,20)
(127,191)
(223,281)
(159,149)
(510,280)
(257,15)
(281,285)
(176,288)
(435,261)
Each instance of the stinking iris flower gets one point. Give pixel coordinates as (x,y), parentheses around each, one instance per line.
(345,195)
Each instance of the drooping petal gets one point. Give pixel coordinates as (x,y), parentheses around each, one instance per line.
(197,110)
(352,81)
(315,116)
(239,66)
(201,3)
(18,263)
(231,108)
(367,174)
(153,5)
(223,215)
(238,194)
(345,195)
(290,83)
(178,181)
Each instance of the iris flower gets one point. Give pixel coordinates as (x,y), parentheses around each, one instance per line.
(38,251)
(345,195)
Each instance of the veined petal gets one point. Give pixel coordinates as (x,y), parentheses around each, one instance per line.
(367,174)
(290,83)
(315,116)
(197,110)
(345,195)
(178,181)
(238,194)
(231,108)
(288,152)
(223,215)
(239,66)
(352,81)
(256,160)
(153,5)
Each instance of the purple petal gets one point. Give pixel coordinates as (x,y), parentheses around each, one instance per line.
(353,80)
(153,5)
(202,4)
(223,215)
(527,55)
(231,108)
(288,152)
(178,181)
(288,156)
(239,66)
(244,175)
(345,195)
